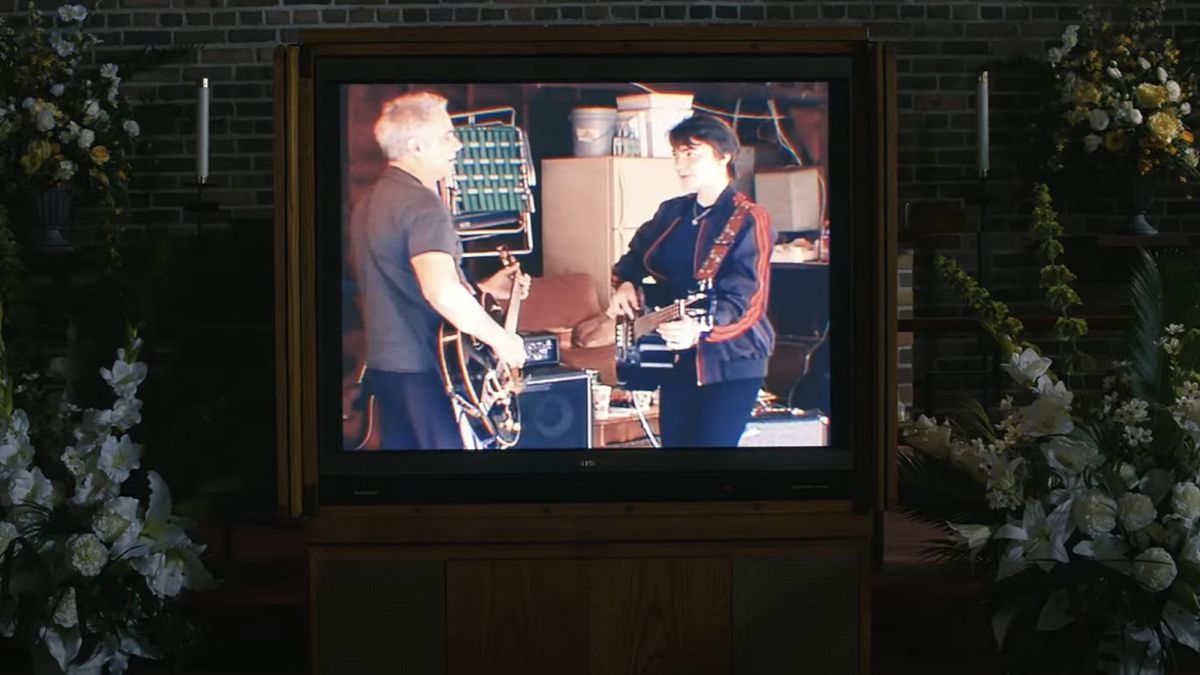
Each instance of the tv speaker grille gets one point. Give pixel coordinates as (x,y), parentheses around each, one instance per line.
(794,615)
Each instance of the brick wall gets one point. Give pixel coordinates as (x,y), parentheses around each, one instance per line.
(941,46)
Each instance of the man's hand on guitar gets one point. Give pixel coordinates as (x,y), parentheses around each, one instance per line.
(681,334)
(510,350)
(625,302)
(500,284)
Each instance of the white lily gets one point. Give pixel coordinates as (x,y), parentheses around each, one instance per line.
(1025,368)
(1039,538)
(169,560)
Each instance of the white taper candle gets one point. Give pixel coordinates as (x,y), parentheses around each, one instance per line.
(202,100)
(981,118)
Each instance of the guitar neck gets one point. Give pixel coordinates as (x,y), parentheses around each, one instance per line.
(512,317)
(645,324)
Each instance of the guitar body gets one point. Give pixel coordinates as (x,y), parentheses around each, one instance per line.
(361,429)
(471,373)
(643,358)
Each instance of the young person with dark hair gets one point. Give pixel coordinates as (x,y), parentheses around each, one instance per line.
(708,396)
(408,261)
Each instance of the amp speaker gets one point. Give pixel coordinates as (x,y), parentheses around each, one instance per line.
(556,409)
(796,615)
(381,617)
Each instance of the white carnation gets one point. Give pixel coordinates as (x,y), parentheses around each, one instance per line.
(86,138)
(86,554)
(1136,511)
(118,523)
(1185,109)
(1098,119)
(1095,513)
(66,169)
(1185,501)
(57,89)
(1155,569)
(131,127)
(1190,157)
(66,613)
(45,119)
(79,12)
(1173,91)
(91,108)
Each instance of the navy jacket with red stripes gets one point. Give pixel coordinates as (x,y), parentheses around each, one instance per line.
(742,339)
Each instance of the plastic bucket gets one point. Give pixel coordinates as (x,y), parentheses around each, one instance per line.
(593,131)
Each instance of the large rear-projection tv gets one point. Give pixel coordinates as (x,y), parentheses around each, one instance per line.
(564,155)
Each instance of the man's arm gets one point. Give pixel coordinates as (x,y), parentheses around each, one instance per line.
(440,285)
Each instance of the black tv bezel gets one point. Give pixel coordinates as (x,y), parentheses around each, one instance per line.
(739,474)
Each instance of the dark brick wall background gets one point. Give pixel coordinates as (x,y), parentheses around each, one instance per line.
(941,46)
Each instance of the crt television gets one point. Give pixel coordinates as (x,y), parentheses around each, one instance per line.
(812,103)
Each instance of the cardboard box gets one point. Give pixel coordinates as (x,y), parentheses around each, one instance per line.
(652,116)
(794,197)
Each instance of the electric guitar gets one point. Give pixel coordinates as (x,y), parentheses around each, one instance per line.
(471,373)
(643,357)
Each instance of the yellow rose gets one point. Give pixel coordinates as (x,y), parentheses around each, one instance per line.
(1088,93)
(31,163)
(1114,141)
(99,154)
(1164,126)
(1187,137)
(1151,95)
(41,148)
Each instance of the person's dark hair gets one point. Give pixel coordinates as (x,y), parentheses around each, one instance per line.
(709,130)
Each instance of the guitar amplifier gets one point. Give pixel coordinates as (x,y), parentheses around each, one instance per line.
(556,410)
(541,348)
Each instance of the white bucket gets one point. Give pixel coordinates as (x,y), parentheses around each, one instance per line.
(594,128)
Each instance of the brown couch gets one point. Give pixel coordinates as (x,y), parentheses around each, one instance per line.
(558,303)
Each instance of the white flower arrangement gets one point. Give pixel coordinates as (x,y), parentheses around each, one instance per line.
(62,123)
(1084,509)
(92,559)
(1124,97)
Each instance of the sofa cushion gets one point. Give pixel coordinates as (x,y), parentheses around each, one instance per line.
(600,359)
(598,330)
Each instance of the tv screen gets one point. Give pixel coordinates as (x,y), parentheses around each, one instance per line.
(560,162)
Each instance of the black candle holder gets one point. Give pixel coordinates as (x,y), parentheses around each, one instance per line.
(201,206)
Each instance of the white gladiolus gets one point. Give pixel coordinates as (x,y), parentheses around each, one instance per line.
(91,108)
(1095,513)
(124,378)
(1135,510)
(86,138)
(1155,569)
(1173,91)
(126,413)
(86,554)
(108,71)
(1185,501)
(1054,55)
(1162,74)
(1185,109)
(1091,142)
(28,487)
(79,12)
(1190,157)
(1098,119)
(927,435)
(118,457)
